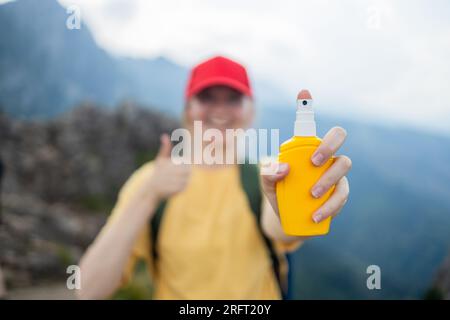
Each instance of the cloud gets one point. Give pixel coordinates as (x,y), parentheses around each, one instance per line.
(381,60)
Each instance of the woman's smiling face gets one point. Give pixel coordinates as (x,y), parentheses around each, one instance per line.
(220,107)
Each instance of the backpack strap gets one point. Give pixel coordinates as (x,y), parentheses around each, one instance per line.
(250,182)
(249,177)
(154,227)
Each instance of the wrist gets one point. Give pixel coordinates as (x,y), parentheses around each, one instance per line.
(152,201)
(144,203)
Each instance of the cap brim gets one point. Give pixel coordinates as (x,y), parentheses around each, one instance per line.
(220,81)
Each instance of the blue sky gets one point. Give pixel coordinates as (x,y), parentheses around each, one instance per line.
(383,61)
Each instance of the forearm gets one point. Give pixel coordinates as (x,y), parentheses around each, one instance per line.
(103,263)
(272,225)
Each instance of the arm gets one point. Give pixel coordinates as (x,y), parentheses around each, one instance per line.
(271,226)
(335,175)
(103,263)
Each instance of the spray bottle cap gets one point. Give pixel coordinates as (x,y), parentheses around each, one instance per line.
(304,95)
(305,126)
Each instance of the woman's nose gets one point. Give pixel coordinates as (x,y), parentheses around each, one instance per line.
(220,106)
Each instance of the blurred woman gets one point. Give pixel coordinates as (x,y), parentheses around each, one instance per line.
(209,243)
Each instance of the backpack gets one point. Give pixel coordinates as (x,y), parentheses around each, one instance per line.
(249,177)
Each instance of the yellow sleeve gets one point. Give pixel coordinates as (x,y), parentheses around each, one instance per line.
(141,248)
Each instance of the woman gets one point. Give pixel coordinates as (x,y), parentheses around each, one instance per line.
(209,245)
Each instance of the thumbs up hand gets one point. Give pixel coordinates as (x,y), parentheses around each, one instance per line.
(167,177)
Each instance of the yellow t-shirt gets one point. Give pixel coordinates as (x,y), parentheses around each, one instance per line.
(209,245)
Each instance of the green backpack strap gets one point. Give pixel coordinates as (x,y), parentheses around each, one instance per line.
(250,182)
(249,177)
(154,226)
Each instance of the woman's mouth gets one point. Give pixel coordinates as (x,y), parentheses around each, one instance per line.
(220,122)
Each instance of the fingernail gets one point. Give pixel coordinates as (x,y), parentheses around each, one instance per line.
(317,159)
(282,167)
(317,192)
(317,217)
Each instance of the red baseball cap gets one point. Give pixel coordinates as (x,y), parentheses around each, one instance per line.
(218,71)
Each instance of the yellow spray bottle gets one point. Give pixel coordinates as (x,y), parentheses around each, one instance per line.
(295,201)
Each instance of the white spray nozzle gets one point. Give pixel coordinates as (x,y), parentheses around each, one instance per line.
(305,125)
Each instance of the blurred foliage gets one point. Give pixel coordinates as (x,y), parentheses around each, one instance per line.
(139,287)
(106,202)
(64,255)
(97,203)
(143,157)
(433,294)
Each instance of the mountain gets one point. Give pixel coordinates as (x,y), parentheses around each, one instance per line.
(62,178)
(441,285)
(46,69)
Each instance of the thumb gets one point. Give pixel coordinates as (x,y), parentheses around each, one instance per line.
(166,146)
(275,173)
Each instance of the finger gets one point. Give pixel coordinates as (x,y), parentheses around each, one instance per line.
(335,203)
(178,182)
(166,146)
(275,173)
(339,169)
(332,141)
(182,170)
